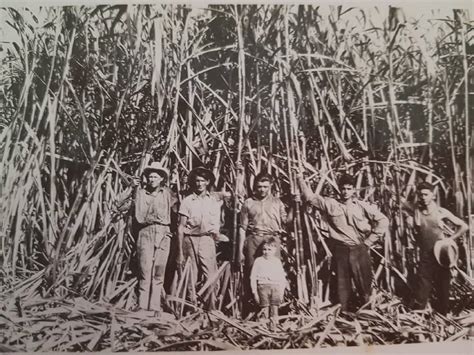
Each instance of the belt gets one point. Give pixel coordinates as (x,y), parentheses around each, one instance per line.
(197,235)
(347,246)
(157,224)
(264,234)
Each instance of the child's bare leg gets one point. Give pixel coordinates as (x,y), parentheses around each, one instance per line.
(273,311)
(273,315)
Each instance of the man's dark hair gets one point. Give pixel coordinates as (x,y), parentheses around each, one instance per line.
(425,185)
(346,179)
(263,177)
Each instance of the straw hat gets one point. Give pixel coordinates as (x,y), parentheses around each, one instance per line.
(446,252)
(156,167)
(202,171)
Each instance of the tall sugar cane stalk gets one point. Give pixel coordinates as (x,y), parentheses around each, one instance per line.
(241,84)
(469,251)
(393,123)
(293,154)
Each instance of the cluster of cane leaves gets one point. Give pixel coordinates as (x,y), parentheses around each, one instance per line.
(90,95)
(79,325)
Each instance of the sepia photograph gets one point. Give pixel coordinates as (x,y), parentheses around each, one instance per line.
(205,176)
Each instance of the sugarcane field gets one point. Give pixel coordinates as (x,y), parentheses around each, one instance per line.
(201,177)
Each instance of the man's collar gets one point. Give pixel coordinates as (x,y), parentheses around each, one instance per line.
(159,189)
(349,201)
(204,194)
(269,196)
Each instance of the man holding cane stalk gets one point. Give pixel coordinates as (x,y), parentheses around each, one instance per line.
(153,206)
(354,225)
(199,229)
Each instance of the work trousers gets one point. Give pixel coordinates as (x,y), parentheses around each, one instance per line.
(201,250)
(353,264)
(431,274)
(153,249)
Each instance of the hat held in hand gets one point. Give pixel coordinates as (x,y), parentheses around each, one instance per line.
(446,252)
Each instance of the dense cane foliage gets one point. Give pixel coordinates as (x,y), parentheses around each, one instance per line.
(91,94)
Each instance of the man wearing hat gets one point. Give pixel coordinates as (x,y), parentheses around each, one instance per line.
(153,206)
(354,225)
(199,227)
(437,253)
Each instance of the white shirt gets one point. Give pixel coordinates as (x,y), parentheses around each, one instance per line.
(267,271)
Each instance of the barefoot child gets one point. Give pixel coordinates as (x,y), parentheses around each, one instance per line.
(268,281)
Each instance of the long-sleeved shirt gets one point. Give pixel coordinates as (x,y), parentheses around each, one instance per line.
(267,271)
(150,207)
(154,207)
(350,222)
(263,216)
(203,212)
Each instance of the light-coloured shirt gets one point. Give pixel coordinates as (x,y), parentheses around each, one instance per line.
(267,271)
(203,212)
(263,216)
(154,207)
(351,222)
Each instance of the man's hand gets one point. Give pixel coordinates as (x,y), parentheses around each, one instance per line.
(136,180)
(296,170)
(241,257)
(297,198)
(180,259)
(255,296)
(239,167)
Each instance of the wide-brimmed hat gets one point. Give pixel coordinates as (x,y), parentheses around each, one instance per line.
(201,171)
(446,252)
(156,167)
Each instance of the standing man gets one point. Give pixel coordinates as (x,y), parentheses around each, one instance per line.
(354,225)
(263,216)
(199,227)
(429,225)
(153,206)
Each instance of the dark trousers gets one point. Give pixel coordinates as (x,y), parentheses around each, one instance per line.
(431,274)
(353,264)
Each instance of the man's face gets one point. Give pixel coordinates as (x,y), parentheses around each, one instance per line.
(425,196)
(268,250)
(262,189)
(200,184)
(347,191)
(154,180)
